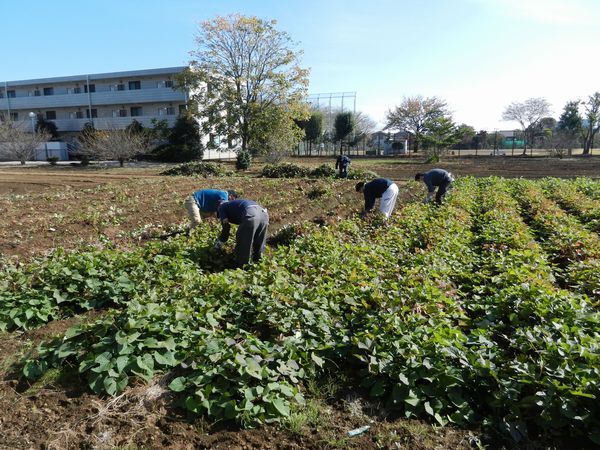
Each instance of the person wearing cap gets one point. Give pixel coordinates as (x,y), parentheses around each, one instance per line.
(204,203)
(436,178)
(252,221)
(342,162)
(382,188)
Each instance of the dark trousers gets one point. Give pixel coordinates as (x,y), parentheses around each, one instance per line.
(251,235)
(441,192)
(343,171)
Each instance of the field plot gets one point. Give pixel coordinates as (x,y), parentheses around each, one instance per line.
(480,316)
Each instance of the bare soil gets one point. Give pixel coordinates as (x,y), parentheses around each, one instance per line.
(42,208)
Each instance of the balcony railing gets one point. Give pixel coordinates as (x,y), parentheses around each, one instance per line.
(135,96)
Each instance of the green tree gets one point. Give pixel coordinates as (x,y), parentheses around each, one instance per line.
(415,114)
(313,129)
(135,127)
(343,126)
(242,67)
(467,134)
(273,133)
(569,125)
(528,114)
(46,126)
(441,134)
(592,118)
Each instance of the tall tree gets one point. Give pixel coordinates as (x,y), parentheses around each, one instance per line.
(569,126)
(466,134)
(528,114)
(313,129)
(413,115)
(273,134)
(592,118)
(18,143)
(241,68)
(47,126)
(364,126)
(343,126)
(441,134)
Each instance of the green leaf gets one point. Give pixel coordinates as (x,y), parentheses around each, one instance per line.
(281,407)
(178,384)
(110,385)
(317,360)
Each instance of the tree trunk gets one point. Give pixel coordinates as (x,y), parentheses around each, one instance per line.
(22,162)
(121,162)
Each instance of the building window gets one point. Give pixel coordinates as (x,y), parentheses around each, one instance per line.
(50,115)
(49,91)
(136,111)
(14,116)
(182,109)
(79,115)
(170,111)
(92,88)
(1,117)
(94,113)
(11,94)
(122,113)
(134,85)
(36,93)
(120,87)
(77,90)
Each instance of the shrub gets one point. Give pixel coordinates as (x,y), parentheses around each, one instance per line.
(243,160)
(205,169)
(52,160)
(360,174)
(323,171)
(176,153)
(285,170)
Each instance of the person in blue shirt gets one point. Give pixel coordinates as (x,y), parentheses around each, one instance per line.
(204,203)
(436,178)
(252,221)
(382,188)
(342,162)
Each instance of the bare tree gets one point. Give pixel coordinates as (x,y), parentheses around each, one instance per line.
(528,113)
(17,143)
(414,115)
(114,144)
(592,116)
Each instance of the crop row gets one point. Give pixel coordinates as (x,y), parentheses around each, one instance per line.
(574,249)
(540,341)
(572,200)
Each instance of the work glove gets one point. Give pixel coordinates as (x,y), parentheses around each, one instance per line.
(218,245)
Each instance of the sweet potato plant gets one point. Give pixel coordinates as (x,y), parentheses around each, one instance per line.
(483,311)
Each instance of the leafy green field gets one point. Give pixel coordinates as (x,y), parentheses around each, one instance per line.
(481,312)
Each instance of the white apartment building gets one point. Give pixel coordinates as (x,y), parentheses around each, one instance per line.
(107,100)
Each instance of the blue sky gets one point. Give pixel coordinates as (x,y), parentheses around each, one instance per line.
(478,55)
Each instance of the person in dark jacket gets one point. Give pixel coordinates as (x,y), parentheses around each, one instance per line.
(342,163)
(436,178)
(382,188)
(204,203)
(252,221)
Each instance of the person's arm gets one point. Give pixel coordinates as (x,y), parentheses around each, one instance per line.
(225,227)
(369,201)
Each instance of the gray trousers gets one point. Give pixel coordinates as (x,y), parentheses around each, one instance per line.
(251,235)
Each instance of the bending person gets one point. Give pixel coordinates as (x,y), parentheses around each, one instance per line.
(382,188)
